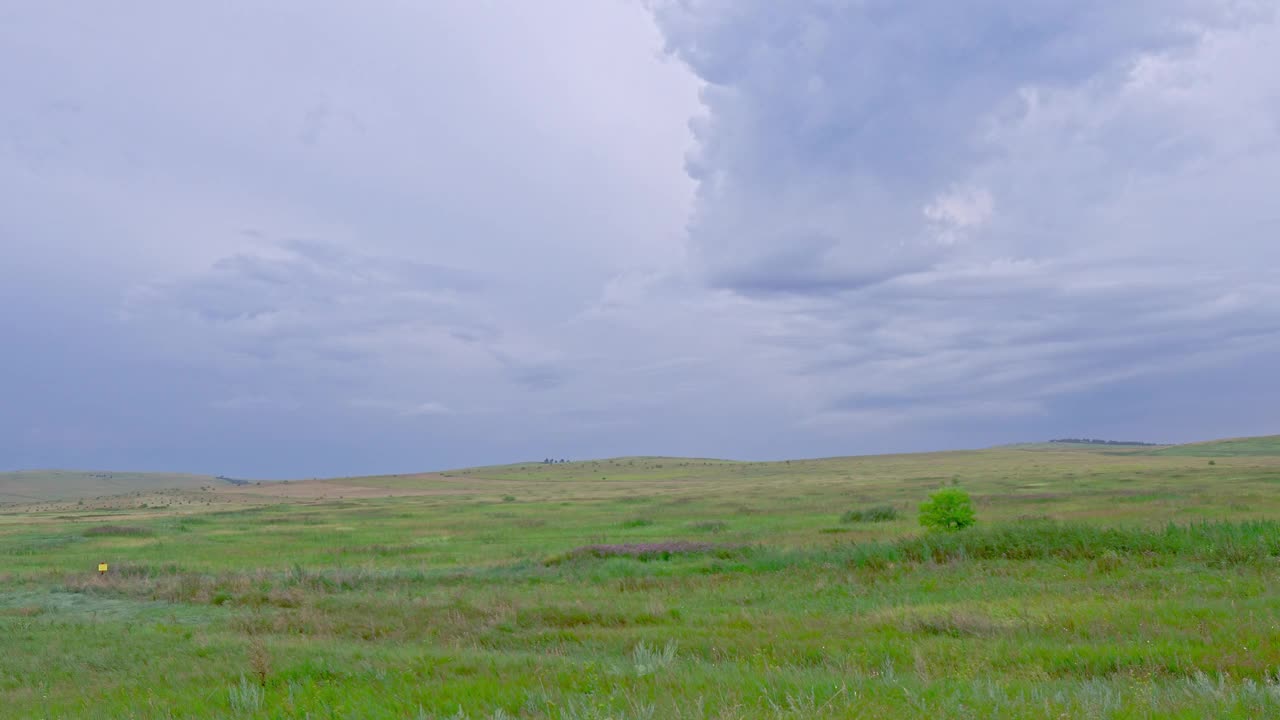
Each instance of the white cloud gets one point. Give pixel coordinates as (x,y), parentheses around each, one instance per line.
(958,210)
(428,408)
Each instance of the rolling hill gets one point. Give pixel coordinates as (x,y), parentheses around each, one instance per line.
(1265,446)
(63,486)
(35,486)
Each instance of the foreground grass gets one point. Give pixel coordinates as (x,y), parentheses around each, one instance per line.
(1096,586)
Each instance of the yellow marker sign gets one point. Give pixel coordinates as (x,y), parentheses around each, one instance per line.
(102,568)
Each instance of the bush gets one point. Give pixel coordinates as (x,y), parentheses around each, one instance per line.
(948,509)
(879,513)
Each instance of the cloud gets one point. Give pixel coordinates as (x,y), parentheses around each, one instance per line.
(958,210)
(284,236)
(449,233)
(973,211)
(327,325)
(428,408)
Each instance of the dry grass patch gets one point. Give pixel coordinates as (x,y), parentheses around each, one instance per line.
(118,531)
(954,623)
(651,551)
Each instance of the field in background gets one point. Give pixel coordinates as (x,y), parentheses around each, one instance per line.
(1260,446)
(658,587)
(37,487)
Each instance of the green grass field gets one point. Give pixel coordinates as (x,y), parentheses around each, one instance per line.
(1098,583)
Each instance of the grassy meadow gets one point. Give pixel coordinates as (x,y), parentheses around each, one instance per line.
(1099,582)
(36,488)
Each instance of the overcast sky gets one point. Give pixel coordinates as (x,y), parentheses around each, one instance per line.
(295,239)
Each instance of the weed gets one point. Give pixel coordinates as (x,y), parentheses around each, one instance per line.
(246,698)
(1109,561)
(647,660)
(879,513)
(259,660)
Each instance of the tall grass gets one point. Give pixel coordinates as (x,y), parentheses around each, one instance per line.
(879,513)
(1219,543)
(246,697)
(648,660)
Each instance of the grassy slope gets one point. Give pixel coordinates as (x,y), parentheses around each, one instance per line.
(31,486)
(106,487)
(442,598)
(1235,447)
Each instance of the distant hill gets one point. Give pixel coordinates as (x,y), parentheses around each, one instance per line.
(1268,445)
(1085,448)
(1090,441)
(30,486)
(61,486)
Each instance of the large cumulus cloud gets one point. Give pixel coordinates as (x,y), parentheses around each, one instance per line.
(974,209)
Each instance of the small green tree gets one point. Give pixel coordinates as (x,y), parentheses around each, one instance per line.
(947,509)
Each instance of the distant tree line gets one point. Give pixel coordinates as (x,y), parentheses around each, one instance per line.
(553,461)
(233,481)
(1092,441)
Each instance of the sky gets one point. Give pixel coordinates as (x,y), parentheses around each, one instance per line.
(310,239)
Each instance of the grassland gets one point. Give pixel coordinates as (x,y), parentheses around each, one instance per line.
(1268,446)
(1097,584)
(52,486)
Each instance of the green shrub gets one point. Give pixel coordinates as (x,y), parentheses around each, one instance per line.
(879,513)
(947,509)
